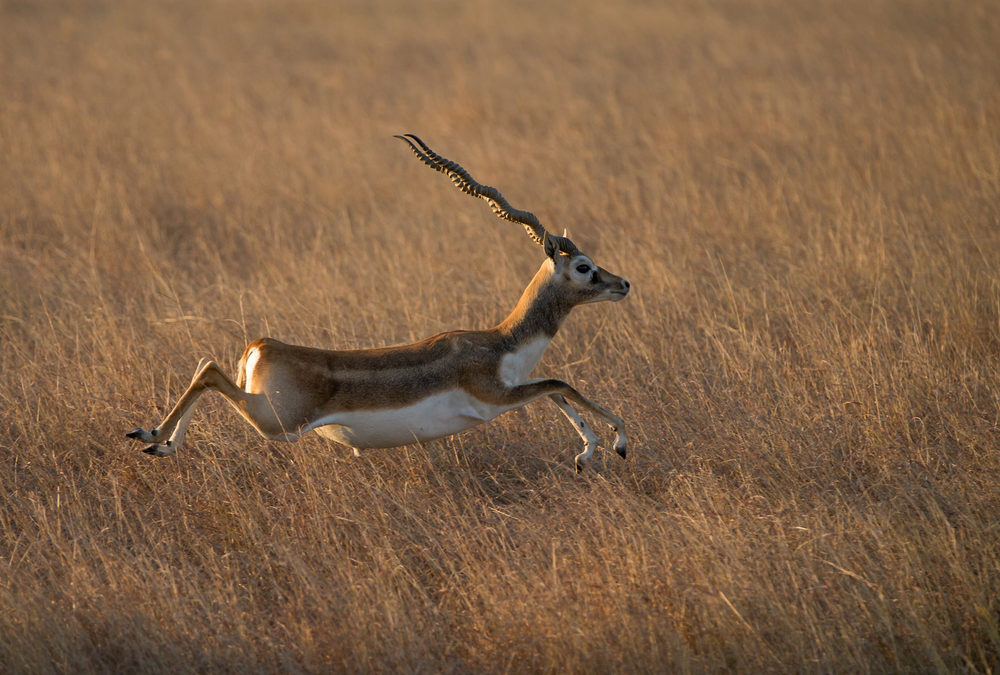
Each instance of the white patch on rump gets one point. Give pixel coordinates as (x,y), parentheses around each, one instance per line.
(516,366)
(438,415)
(252,358)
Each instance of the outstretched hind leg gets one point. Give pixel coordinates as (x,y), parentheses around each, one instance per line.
(165,439)
(168,436)
(177,437)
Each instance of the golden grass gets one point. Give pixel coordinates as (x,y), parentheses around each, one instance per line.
(805,196)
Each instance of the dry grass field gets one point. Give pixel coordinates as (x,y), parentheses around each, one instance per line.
(804,195)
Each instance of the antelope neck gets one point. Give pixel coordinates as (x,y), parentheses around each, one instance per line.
(539,312)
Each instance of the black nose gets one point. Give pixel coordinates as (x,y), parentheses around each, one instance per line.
(625,284)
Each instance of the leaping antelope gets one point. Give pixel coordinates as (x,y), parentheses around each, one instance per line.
(382,398)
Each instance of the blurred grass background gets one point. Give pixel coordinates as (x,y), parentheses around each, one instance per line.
(804,195)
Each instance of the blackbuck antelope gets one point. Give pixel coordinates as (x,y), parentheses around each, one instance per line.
(381,398)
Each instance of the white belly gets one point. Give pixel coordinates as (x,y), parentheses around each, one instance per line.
(438,415)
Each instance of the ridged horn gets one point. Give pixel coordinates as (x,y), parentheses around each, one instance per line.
(470,186)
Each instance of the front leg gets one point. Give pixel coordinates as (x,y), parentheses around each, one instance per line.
(590,440)
(559,391)
(616,423)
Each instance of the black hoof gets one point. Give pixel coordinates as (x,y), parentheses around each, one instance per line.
(136,433)
(621,451)
(579,467)
(153,449)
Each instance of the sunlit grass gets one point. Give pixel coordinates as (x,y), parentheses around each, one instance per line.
(805,197)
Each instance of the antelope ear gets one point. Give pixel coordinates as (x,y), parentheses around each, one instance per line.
(551,245)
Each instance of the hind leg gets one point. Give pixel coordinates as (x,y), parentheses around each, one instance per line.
(177,437)
(255,408)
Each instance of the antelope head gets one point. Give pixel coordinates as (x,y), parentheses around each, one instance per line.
(574,272)
(581,279)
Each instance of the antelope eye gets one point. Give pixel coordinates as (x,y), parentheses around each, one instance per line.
(583,269)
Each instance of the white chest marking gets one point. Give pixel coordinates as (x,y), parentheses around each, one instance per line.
(438,415)
(515,367)
(252,358)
